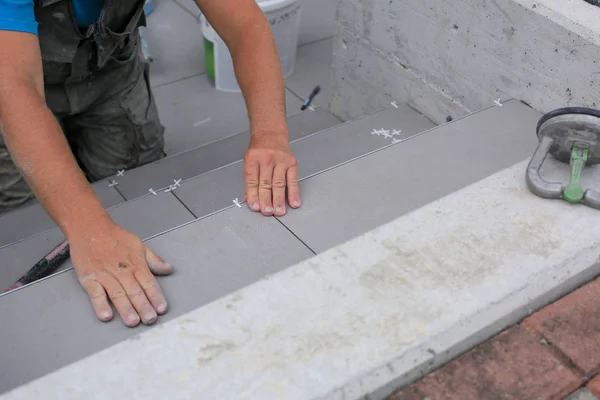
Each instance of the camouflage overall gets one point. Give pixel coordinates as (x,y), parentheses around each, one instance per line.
(97,86)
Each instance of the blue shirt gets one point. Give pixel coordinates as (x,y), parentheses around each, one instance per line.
(17,15)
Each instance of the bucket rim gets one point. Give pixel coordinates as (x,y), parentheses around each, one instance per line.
(274,5)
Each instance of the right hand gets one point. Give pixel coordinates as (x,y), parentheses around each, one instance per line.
(113,263)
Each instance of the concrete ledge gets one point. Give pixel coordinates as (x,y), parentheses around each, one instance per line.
(449,58)
(366,317)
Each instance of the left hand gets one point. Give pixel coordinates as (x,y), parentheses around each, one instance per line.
(269,169)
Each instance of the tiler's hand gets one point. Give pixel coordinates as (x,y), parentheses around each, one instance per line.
(113,263)
(270,168)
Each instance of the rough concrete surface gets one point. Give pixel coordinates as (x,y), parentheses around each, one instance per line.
(453,57)
(366,317)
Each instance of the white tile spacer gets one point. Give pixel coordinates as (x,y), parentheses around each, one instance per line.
(177,182)
(171,188)
(397,141)
(311,108)
(112,183)
(121,172)
(396,132)
(152,191)
(497,102)
(237,202)
(394,104)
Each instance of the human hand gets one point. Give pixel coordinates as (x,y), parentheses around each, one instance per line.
(110,261)
(270,168)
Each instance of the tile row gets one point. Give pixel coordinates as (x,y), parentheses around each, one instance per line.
(235,247)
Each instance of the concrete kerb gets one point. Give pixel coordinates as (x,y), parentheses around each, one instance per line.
(366,317)
(460,56)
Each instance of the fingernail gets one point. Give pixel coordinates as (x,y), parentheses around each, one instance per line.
(278,209)
(268,209)
(255,206)
(161,308)
(150,317)
(296,203)
(133,319)
(105,315)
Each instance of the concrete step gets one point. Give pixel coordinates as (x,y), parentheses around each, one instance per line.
(186,165)
(232,248)
(215,190)
(316,153)
(33,219)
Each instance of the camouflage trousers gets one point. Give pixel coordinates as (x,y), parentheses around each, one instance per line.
(110,120)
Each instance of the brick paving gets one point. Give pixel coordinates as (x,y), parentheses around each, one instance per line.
(552,355)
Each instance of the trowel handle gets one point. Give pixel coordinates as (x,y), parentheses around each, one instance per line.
(535,182)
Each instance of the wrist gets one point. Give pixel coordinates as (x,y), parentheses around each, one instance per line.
(82,226)
(270,135)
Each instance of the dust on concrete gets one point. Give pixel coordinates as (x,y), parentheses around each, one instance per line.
(462,258)
(211,351)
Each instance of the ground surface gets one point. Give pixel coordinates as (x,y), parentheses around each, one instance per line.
(551,355)
(193,112)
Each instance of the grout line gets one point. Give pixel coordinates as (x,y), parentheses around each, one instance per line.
(557,353)
(296,236)
(317,41)
(160,85)
(295,94)
(120,194)
(183,204)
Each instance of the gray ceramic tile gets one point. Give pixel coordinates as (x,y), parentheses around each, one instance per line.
(347,201)
(313,67)
(206,158)
(214,191)
(353,139)
(16,259)
(194,113)
(175,41)
(33,219)
(318,20)
(315,153)
(145,217)
(50,324)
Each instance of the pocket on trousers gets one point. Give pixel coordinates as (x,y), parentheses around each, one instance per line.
(142,112)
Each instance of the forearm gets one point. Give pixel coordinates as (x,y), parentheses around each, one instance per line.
(41,152)
(259,73)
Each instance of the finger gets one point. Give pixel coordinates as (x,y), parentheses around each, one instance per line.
(265,190)
(119,298)
(152,290)
(157,265)
(279,180)
(293,187)
(99,300)
(251,183)
(137,295)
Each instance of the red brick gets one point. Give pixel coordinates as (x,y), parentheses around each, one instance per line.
(513,365)
(572,325)
(594,386)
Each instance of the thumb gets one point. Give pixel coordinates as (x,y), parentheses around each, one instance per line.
(156,264)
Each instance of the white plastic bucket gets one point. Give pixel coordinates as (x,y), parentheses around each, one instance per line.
(283,16)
